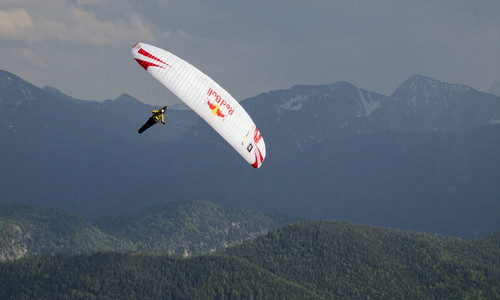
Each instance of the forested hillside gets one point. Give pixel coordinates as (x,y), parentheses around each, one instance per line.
(346,260)
(183,228)
(190,227)
(308,260)
(31,229)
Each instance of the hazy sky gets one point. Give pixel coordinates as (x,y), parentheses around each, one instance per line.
(82,47)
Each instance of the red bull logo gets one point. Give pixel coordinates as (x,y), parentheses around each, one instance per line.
(216,104)
(215,109)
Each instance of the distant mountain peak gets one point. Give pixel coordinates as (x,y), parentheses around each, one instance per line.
(426,87)
(11,81)
(423,103)
(7,76)
(298,97)
(126,98)
(15,91)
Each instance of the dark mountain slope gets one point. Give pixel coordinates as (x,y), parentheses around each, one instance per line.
(354,261)
(309,260)
(27,230)
(190,227)
(182,228)
(424,158)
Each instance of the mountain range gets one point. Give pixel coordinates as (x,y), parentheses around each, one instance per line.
(425,158)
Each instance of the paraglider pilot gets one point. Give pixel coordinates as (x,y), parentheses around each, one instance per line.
(155,118)
(158,114)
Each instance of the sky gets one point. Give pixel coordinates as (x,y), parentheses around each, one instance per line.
(83,47)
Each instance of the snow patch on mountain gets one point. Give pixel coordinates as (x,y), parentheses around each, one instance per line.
(5,80)
(16,105)
(9,125)
(367,105)
(294,103)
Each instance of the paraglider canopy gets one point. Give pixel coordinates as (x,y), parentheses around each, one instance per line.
(208,99)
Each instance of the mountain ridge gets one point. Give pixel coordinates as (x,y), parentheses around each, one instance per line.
(180,228)
(433,170)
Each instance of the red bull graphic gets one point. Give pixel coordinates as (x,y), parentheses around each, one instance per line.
(217,104)
(215,109)
(146,64)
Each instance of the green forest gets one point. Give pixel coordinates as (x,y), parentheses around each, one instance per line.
(181,228)
(303,260)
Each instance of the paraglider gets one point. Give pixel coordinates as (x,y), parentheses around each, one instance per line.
(155,118)
(208,99)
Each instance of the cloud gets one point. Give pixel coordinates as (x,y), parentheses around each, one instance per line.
(74,23)
(83,27)
(89,2)
(249,47)
(14,23)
